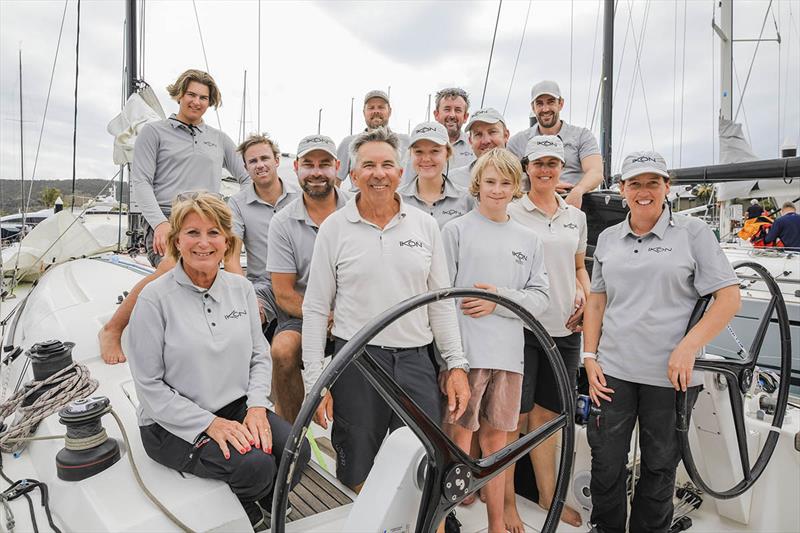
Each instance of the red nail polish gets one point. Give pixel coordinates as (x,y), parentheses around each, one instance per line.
(269,451)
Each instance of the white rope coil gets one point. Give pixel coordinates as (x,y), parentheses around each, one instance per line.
(66,385)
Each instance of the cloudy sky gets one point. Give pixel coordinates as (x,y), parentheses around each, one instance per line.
(319,55)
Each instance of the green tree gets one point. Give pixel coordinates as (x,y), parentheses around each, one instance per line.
(49,196)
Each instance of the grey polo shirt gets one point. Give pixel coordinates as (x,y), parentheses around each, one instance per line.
(462,155)
(194,351)
(343,155)
(652,283)
(170,158)
(563,236)
(508,256)
(251,221)
(292,234)
(452,203)
(360,270)
(579,143)
(462,176)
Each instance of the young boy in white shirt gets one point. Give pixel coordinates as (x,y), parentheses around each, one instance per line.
(487,250)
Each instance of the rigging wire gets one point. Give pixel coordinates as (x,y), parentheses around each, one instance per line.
(142,40)
(753,60)
(744,111)
(571,33)
(713,86)
(258,75)
(519,52)
(41,134)
(674,73)
(75,108)
(205,57)
(683,85)
(621,61)
(491,51)
(594,58)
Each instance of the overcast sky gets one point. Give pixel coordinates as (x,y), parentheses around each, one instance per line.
(321,54)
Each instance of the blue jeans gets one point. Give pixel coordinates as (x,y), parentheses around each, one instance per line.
(610,437)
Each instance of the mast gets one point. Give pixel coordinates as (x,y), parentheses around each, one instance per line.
(607,84)
(130,48)
(21,146)
(725,33)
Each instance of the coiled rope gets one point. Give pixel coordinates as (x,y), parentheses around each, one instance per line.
(66,385)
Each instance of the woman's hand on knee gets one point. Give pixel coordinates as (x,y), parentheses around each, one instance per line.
(225,431)
(257,423)
(598,388)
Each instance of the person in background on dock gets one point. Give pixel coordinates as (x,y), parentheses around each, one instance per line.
(786,228)
(377,111)
(431,190)
(487,130)
(487,250)
(253,209)
(583,171)
(649,270)
(292,234)
(562,230)
(202,367)
(754,209)
(172,156)
(376,245)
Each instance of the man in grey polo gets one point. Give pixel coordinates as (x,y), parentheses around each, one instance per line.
(377,111)
(486,129)
(453,201)
(583,171)
(292,234)
(253,209)
(372,254)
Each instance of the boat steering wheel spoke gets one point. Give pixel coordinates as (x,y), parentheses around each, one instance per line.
(739,376)
(450,475)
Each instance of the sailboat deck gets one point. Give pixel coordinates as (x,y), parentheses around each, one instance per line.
(315,494)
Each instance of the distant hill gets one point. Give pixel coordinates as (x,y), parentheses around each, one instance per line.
(85,189)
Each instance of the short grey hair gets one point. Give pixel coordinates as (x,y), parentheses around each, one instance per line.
(379,135)
(452,92)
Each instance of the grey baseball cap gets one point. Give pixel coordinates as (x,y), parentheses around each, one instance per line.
(431,131)
(316,142)
(647,162)
(545,146)
(545,87)
(377,93)
(489,115)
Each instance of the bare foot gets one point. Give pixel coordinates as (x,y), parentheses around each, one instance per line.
(512,519)
(481,495)
(469,500)
(568,514)
(110,345)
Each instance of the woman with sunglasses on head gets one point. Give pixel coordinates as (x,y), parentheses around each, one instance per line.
(202,367)
(649,270)
(562,230)
(171,156)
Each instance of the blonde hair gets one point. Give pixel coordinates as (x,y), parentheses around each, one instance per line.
(504,162)
(208,206)
(178,89)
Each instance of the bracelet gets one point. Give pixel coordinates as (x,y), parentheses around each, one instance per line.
(588,355)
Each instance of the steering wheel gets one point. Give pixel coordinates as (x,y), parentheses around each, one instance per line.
(738,375)
(448,467)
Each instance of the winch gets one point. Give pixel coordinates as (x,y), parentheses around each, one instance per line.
(88,450)
(47,358)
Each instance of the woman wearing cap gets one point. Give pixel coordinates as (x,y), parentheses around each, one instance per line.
(649,270)
(562,230)
(201,365)
(431,190)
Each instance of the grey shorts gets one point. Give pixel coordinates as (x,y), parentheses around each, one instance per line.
(361,418)
(287,322)
(149,237)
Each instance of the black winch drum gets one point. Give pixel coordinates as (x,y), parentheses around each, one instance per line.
(82,418)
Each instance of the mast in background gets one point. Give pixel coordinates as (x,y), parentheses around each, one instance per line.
(725,33)
(130,48)
(608,92)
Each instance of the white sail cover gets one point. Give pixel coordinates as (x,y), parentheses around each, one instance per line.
(61,237)
(141,108)
(734,148)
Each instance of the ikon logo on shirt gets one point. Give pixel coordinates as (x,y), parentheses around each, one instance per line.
(519,257)
(411,243)
(235,314)
(659,249)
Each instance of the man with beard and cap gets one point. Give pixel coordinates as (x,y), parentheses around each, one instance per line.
(486,129)
(377,111)
(583,170)
(253,209)
(292,234)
